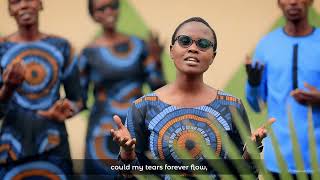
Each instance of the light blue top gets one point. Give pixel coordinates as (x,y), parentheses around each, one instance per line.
(275,51)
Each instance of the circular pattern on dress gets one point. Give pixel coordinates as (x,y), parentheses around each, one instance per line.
(102,146)
(37,170)
(10,148)
(49,140)
(42,62)
(186,132)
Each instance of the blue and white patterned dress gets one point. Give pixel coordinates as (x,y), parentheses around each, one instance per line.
(117,75)
(31,145)
(160,129)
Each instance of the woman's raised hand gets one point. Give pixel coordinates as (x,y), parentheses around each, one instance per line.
(122,137)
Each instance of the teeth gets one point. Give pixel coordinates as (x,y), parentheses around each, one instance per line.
(26,15)
(192,59)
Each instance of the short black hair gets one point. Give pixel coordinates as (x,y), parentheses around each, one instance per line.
(196,19)
(90,7)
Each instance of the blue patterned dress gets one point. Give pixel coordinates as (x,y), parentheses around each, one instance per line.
(32,146)
(117,75)
(160,129)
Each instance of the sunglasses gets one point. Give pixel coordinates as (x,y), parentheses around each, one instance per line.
(114,6)
(186,41)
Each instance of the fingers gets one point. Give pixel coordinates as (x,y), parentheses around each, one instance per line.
(42,113)
(123,141)
(116,136)
(154,36)
(131,143)
(262,133)
(126,142)
(14,74)
(259,66)
(301,96)
(311,88)
(269,123)
(118,122)
(248,59)
(67,105)
(259,134)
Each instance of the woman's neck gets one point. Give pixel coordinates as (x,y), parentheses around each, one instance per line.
(109,33)
(28,33)
(188,84)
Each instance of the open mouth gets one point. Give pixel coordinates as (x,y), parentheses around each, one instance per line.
(192,59)
(25,16)
(294,11)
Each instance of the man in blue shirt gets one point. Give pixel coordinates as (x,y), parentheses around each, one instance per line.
(285,74)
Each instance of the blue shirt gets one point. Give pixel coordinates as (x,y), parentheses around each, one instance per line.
(276,51)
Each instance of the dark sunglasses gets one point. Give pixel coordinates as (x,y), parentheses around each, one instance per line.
(186,41)
(114,6)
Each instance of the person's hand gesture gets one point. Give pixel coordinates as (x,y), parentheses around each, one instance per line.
(14,75)
(254,71)
(259,134)
(60,111)
(154,46)
(122,137)
(312,97)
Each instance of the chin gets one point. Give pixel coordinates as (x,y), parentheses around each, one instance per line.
(109,26)
(192,71)
(27,23)
(295,18)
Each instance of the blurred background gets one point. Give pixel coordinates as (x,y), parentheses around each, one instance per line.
(238,24)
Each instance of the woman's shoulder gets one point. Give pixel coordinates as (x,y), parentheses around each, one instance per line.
(228,99)
(53,37)
(145,99)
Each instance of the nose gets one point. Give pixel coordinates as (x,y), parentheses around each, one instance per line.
(108,10)
(23,4)
(193,48)
(293,2)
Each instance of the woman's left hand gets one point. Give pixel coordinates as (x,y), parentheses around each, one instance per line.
(60,111)
(259,134)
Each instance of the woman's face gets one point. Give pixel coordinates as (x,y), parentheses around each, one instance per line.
(25,12)
(105,12)
(192,59)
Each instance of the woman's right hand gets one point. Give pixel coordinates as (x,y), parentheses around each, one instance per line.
(14,75)
(123,138)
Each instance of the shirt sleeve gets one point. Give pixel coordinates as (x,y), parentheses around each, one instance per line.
(153,72)
(4,106)
(71,79)
(258,94)
(84,71)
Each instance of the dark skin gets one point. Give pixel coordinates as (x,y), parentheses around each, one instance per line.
(107,17)
(297,24)
(188,90)
(296,14)
(26,15)
(13,77)
(310,97)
